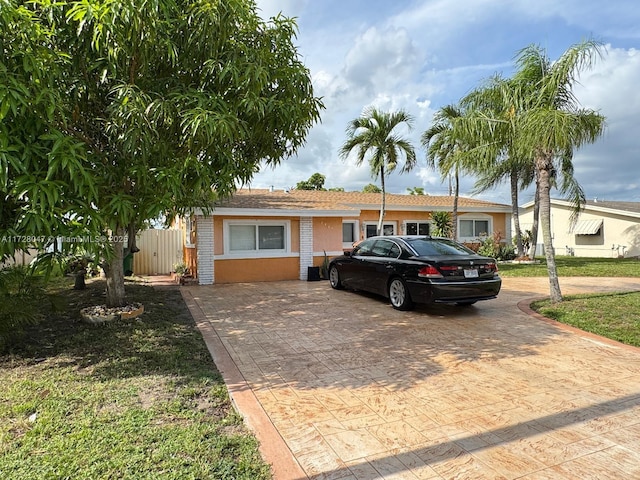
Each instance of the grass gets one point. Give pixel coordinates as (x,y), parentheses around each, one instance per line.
(611,315)
(133,399)
(575,267)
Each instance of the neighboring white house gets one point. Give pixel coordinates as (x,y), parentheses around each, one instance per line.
(603,229)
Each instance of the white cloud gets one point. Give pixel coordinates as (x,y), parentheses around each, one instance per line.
(420,56)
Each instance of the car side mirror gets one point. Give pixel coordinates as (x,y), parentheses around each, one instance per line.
(347,253)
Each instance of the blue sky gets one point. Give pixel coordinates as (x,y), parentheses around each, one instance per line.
(422,55)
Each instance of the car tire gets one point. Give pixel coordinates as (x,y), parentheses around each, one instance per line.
(465,304)
(399,295)
(334,278)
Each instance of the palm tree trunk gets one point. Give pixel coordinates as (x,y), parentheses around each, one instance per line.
(384,201)
(516,214)
(543,168)
(536,222)
(454,215)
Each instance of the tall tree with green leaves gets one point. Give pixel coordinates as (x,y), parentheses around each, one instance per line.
(496,100)
(315,182)
(374,138)
(112,113)
(548,125)
(446,150)
(416,191)
(371,188)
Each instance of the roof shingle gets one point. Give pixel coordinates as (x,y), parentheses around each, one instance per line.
(258,199)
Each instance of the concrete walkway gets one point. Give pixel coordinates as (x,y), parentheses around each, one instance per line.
(338,385)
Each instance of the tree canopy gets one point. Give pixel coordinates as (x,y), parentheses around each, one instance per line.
(315,182)
(373,136)
(112,113)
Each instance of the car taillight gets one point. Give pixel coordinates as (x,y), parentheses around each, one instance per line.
(429,272)
(492,267)
(450,268)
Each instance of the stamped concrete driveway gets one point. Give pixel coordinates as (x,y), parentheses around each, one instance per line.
(338,385)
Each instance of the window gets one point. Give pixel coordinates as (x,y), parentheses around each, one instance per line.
(417,228)
(473,228)
(256,239)
(386,248)
(349,233)
(372,229)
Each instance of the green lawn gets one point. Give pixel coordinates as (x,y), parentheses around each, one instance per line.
(575,267)
(136,399)
(613,315)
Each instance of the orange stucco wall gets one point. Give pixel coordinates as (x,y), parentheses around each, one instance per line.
(327,234)
(257,270)
(191,260)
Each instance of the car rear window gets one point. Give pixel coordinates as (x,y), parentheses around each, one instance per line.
(429,247)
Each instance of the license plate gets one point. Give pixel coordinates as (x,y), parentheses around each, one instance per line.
(470,273)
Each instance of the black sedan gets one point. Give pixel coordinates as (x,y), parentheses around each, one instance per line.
(408,269)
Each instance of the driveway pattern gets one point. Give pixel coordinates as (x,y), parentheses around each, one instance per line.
(339,385)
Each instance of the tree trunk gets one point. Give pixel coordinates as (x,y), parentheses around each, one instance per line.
(114,271)
(384,201)
(454,214)
(544,167)
(536,221)
(516,214)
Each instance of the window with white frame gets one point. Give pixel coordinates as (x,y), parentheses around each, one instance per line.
(371,229)
(473,228)
(256,238)
(417,228)
(349,232)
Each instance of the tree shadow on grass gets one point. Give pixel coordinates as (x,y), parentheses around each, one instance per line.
(162,341)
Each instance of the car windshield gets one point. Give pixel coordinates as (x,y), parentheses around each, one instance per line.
(428,247)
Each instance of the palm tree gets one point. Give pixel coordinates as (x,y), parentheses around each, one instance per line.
(372,136)
(547,125)
(445,151)
(496,101)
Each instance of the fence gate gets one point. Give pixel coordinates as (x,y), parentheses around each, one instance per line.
(159,251)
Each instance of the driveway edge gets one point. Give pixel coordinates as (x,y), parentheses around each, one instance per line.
(525,306)
(273,448)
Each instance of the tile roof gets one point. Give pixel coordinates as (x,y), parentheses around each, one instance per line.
(259,199)
(624,206)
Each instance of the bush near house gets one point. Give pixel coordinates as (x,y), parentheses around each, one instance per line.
(492,246)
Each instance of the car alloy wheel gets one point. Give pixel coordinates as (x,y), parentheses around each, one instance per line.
(399,295)
(334,278)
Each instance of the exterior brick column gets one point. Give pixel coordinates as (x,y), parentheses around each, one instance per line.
(205,244)
(306,246)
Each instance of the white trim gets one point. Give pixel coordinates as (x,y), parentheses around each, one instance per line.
(248,257)
(331,253)
(265,253)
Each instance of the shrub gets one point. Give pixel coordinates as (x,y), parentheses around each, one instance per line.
(494,248)
(22,301)
(442,226)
